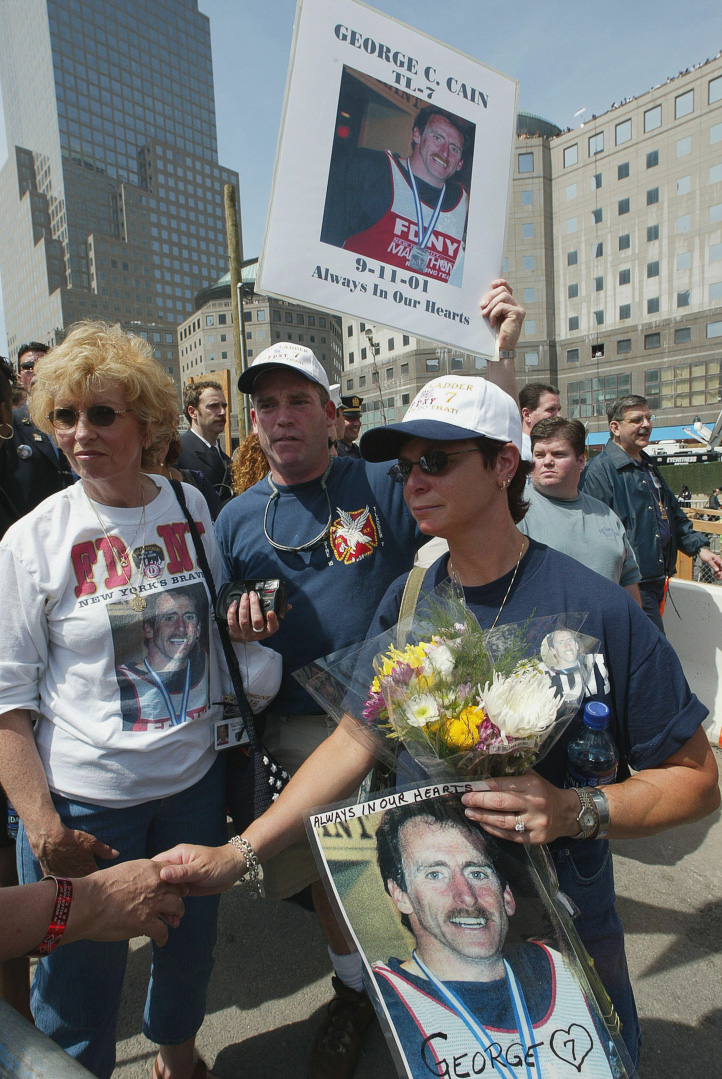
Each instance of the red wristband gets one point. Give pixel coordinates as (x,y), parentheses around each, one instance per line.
(58,919)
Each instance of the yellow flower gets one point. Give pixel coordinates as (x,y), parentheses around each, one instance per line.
(461,732)
(413,654)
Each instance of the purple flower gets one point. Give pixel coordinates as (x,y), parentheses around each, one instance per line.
(373,707)
(488,734)
(402,675)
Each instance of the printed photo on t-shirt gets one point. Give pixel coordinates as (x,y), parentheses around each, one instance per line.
(161,657)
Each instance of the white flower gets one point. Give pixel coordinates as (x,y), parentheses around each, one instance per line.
(521,704)
(439,660)
(421,710)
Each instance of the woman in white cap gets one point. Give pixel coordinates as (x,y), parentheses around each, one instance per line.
(457,453)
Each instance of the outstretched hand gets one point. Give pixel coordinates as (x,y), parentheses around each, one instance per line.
(206,870)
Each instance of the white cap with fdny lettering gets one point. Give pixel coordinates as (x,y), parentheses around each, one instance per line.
(447,409)
(284,354)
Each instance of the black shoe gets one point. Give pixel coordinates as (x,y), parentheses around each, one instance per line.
(338,1041)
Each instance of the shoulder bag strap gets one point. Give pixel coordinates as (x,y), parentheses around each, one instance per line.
(231,658)
(409,601)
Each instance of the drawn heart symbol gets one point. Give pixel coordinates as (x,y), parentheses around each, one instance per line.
(572,1046)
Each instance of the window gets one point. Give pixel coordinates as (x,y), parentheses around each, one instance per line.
(404,369)
(433,365)
(653,269)
(623,170)
(625,276)
(715,174)
(684,384)
(349,330)
(276,316)
(598,318)
(684,185)
(571,224)
(684,146)
(572,355)
(652,159)
(715,252)
(652,233)
(590,396)
(210,320)
(573,323)
(714,90)
(597,250)
(683,298)
(527,231)
(715,292)
(715,213)
(683,223)
(526,162)
(597,216)
(683,104)
(389,373)
(529,295)
(349,383)
(527,198)
(390,344)
(363,353)
(222,319)
(350,357)
(595,181)
(624,345)
(622,132)
(653,118)
(571,155)
(405,341)
(623,207)
(572,291)
(362,381)
(571,192)
(405,398)
(624,241)
(715,134)
(683,335)
(530,328)
(653,305)
(571,258)
(288,316)
(527,262)
(625,311)
(652,196)
(457,363)
(596,143)
(531,359)
(651,340)
(598,284)
(714,329)
(683,260)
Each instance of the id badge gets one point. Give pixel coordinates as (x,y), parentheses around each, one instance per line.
(230,730)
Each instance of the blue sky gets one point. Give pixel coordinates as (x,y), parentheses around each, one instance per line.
(566,55)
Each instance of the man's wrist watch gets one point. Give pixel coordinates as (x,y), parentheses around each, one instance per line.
(593,817)
(507,353)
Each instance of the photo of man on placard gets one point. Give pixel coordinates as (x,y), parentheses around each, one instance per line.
(408,208)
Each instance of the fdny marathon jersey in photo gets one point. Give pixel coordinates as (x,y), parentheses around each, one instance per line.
(335,588)
(393,237)
(437,1040)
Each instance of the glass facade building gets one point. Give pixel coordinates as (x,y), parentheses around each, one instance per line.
(112,196)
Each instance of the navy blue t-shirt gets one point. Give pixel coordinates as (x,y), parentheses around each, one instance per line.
(635,672)
(334,588)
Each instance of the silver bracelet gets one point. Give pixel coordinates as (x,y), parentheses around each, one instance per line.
(253,874)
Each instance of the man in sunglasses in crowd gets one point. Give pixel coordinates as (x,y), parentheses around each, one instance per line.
(40,468)
(623,477)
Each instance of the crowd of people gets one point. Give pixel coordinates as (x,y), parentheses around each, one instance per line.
(112,676)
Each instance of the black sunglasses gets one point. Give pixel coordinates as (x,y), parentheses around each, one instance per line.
(65,419)
(27,366)
(431,463)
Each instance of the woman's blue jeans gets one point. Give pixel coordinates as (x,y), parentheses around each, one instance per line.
(77,989)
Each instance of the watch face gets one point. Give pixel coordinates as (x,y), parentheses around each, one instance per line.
(588,820)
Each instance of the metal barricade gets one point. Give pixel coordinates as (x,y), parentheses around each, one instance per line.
(25,1053)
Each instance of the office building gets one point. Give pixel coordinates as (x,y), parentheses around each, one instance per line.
(112,196)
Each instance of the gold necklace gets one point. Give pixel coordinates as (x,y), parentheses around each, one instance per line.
(511,582)
(122,562)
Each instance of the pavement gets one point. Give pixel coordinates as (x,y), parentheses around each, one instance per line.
(271,980)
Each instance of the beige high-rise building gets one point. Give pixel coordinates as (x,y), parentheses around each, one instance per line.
(614,246)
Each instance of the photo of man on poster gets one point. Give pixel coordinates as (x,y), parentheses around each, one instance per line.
(406,209)
(467,993)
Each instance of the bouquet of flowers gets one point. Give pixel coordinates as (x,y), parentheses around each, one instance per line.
(462,701)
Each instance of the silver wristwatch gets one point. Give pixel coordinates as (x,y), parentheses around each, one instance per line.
(593,817)
(507,353)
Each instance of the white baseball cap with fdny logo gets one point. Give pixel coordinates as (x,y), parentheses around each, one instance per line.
(447,409)
(284,354)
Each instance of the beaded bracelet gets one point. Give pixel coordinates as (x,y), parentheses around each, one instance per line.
(58,919)
(254,873)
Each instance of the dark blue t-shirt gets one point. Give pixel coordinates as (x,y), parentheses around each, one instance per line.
(335,588)
(635,672)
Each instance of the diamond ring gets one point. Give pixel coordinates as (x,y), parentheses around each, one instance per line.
(519,826)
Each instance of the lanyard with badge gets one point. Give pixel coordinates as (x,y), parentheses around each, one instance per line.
(480,1033)
(179,717)
(419,257)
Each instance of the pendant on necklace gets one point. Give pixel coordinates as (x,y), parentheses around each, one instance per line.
(137,602)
